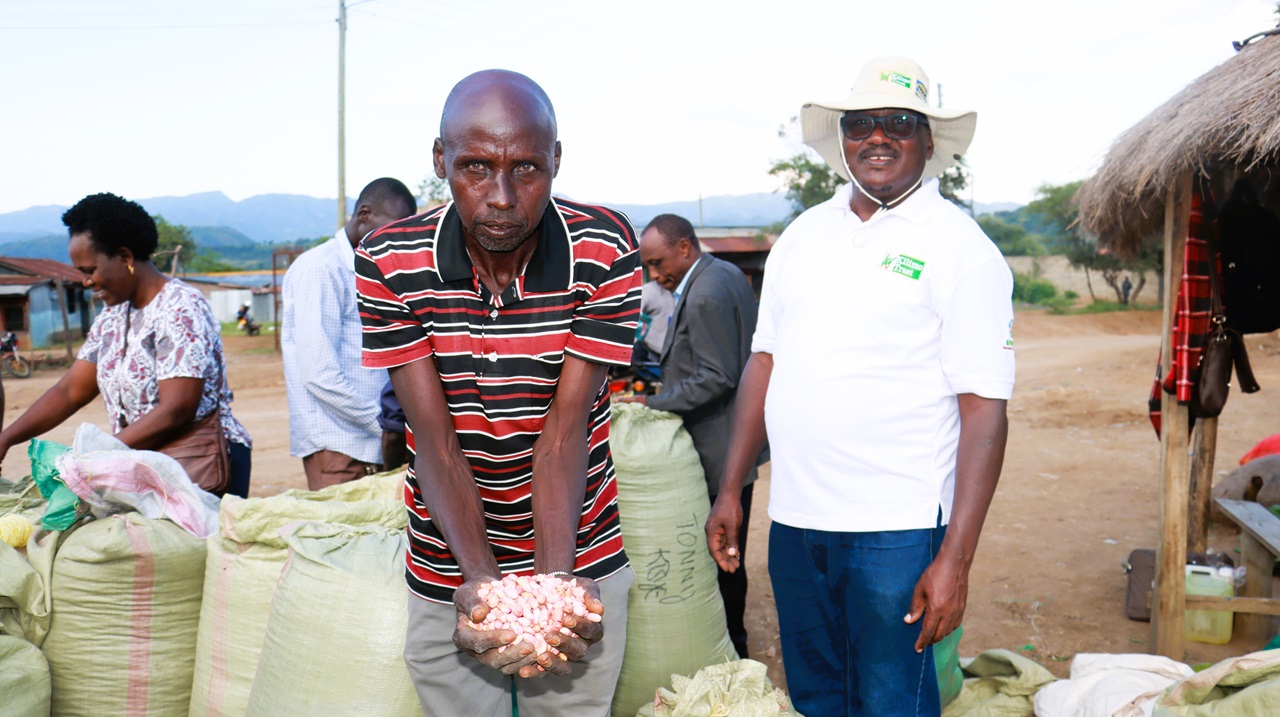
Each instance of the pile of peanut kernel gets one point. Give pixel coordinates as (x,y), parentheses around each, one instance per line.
(533,607)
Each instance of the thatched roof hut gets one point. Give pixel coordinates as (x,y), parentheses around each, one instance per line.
(1223,126)
(1228,119)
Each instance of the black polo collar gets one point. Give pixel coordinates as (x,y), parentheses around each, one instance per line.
(547,270)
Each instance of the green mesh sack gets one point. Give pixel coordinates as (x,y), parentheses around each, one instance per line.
(946,661)
(125,601)
(24,679)
(243,569)
(335,636)
(675,616)
(61,511)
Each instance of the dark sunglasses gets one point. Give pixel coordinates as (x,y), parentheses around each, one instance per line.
(900,125)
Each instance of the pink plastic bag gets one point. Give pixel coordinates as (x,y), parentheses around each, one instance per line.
(113,478)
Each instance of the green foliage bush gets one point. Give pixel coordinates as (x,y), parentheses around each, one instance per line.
(1099,306)
(1012,240)
(1031,290)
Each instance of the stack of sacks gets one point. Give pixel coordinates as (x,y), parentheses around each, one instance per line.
(21,508)
(335,636)
(123,598)
(25,690)
(675,619)
(110,605)
(24,679)
(1242,686)
(1101,684)
(245,563)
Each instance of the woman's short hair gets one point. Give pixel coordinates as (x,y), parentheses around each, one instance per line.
(113,223)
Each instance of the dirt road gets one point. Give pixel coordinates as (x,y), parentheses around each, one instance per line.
(1078,491)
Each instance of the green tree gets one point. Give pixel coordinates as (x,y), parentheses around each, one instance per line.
(177,251)
(432,191)
(1055,206)
(954,180)
(808,182)
(1012,239)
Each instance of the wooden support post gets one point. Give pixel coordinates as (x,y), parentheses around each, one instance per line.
(1168,619)
(1257,561)
(1204,445)
(61,288)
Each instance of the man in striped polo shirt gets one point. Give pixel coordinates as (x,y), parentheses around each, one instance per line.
(497,315)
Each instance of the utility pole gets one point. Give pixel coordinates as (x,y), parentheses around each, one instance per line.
(342,111)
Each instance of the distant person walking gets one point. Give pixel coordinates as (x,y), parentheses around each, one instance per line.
(884,354)
(1126,287)
(333,401)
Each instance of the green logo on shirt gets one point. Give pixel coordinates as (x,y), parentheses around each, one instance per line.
(909,267)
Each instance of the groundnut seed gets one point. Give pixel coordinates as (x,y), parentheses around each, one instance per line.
(533,607)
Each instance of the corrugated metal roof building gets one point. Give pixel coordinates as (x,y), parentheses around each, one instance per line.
(32,295)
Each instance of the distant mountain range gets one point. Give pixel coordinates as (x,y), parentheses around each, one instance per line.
(237,230)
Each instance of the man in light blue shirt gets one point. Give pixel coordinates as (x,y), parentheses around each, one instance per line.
(333,400)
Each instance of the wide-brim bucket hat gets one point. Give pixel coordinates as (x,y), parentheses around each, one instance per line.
(889,83)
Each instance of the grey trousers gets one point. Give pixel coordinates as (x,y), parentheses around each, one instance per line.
(450,683)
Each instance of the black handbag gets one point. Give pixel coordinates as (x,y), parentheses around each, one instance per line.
(1223,349)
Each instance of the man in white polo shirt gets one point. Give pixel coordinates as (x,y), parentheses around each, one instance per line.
(881,365)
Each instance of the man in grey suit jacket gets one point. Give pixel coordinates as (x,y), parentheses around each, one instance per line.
(707,345)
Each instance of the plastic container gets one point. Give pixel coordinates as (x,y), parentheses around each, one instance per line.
(1212,627)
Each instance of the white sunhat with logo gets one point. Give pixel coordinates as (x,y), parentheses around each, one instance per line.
(888,83)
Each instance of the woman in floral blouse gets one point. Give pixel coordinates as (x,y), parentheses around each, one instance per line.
(154,354)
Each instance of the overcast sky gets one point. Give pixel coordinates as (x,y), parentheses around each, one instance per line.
(657,101)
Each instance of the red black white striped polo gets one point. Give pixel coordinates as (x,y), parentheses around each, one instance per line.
(499,358)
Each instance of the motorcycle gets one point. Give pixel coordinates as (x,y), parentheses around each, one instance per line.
(249,326)
(11,362)
(245,322)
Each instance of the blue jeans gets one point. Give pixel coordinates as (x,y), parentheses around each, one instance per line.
(241,463)
(841,598)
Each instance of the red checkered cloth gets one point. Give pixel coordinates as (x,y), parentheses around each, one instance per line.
(1192,323)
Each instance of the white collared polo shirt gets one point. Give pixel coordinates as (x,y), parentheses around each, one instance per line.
(875,328)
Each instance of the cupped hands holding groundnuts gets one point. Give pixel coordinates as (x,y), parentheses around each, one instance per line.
(528,625)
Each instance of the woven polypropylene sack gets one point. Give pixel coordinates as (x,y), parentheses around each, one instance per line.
(379,486)
(243,567)
(675,616)
(126,596)
(740,688)
(946,662)
(335,637)
(24,679)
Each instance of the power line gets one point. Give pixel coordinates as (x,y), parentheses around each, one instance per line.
(63,15)
(201,26)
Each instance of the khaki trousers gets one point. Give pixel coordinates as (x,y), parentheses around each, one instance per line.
(326,468)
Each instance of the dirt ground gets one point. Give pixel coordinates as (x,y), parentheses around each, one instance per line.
(1078,491)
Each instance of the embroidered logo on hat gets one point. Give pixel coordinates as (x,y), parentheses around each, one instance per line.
(922,91)
(896,78)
